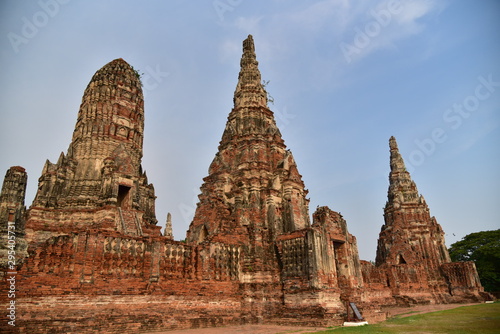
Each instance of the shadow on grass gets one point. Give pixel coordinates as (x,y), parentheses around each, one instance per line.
(483,318)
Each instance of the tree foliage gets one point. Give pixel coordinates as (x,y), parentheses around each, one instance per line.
(484,249)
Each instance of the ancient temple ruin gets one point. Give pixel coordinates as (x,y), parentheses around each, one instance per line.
(90,258)
(99,183)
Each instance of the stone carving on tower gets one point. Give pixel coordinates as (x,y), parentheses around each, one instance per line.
(99,182)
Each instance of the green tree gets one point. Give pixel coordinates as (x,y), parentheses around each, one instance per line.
(484,249)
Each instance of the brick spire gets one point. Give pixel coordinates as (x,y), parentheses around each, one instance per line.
(250,115)
(410,235)
(401,186)
(249,91)
(253,181)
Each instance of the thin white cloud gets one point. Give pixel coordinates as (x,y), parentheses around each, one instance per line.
(384,25)
(319,25)
(412,10)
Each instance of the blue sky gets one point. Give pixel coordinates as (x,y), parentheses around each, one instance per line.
(344,75)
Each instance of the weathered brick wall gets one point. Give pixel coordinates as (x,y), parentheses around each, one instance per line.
(463,281)
(98,271)
(129,313)
(293,254)
(96,259)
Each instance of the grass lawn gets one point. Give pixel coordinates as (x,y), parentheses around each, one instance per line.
(482,318)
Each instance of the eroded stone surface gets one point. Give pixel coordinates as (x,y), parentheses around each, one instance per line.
(12,218)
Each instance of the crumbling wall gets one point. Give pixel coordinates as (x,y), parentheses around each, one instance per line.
(463,281)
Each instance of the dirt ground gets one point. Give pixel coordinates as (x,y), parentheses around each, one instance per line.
(273,329)
(245,329)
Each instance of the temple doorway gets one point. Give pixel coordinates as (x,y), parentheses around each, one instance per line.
(122,200)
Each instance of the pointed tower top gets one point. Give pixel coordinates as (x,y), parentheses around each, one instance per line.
(393,143)
(410,235)
(401,186)
(397,163)
(168,228)
(248,45)
(118,70)
(249,91)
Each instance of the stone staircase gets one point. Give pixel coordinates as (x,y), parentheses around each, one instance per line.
(129,222)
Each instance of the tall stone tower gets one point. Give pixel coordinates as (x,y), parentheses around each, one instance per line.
(410,235)
(99,183)
(253,190)
(12,219)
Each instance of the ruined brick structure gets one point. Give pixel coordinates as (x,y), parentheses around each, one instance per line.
(410,235)
(411,252)
(253,192)
(99,183)
(90,257)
